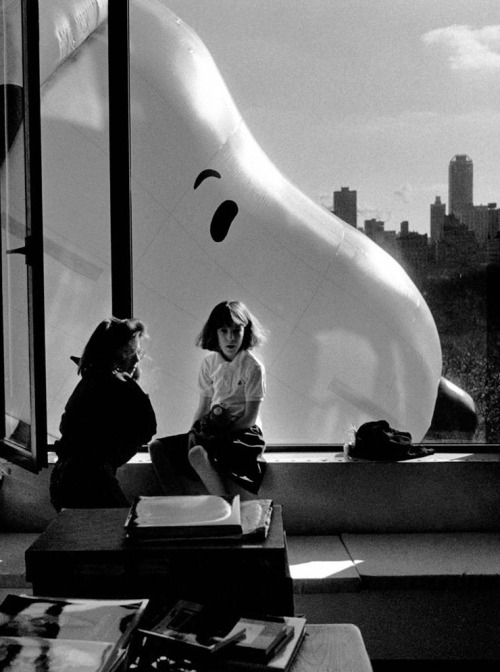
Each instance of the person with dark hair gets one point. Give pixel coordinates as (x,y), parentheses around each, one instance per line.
(225,445)
(107,419)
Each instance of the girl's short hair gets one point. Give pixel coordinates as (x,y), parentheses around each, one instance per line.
(110,336)
(224,315)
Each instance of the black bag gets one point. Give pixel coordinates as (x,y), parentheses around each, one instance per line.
(377,440)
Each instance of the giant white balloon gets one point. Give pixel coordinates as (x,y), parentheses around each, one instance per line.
(350,337)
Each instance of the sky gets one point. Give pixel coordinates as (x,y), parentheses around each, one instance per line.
(374,95)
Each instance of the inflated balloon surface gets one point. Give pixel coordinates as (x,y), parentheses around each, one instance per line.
(350,337)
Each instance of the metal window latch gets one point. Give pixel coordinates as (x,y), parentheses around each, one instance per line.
(27,249)
(18,250)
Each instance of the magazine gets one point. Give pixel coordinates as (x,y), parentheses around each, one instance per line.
(39,633)
(32,654)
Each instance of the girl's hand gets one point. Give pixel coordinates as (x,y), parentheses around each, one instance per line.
(191,439)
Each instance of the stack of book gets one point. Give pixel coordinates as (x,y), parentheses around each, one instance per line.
(59,635)
(270,644)
(167,518)
(204,637)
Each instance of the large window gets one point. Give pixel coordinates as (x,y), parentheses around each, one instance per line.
(393,108)
(339,97)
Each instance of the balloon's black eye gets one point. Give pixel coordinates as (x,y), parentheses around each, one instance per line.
(225,213)
(222,220)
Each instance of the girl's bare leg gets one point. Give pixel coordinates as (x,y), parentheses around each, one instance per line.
(171,482)
(211,478)
(214,482)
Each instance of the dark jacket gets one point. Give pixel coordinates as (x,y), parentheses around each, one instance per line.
(108,417)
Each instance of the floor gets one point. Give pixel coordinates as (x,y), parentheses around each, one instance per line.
(438,665)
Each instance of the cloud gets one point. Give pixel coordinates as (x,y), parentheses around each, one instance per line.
(404,193)
(370,212)
(472,49)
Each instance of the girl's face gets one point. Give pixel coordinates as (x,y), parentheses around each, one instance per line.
(230,339)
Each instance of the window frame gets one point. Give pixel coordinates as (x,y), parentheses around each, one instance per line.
(34,458)
(119,159)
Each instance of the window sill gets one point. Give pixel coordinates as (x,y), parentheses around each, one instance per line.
(291,455)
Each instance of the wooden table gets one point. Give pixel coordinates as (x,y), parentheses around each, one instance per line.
(325,648)
(84,553)
(332,648)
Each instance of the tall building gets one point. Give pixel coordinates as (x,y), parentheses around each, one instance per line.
(483,220)
(413,252)
(345,205)
(460,182)
(438,213)
(459,249)
(374,227)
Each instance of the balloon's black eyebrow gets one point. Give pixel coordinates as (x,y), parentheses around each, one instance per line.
(203,176)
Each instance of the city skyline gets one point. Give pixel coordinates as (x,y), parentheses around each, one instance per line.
(461,205)
(375,96)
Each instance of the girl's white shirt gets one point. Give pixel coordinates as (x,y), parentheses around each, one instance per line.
(233,383)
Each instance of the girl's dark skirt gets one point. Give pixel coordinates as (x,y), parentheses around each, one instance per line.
(238,457)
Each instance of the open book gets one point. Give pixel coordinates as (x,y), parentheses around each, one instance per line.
(256,517)
(62,635)
(176,517)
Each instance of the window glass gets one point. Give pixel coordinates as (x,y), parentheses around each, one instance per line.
(75,165)
(395,110)
(332,100)
(14,280)
(16,378)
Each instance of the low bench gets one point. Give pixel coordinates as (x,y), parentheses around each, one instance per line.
(321,492)
(427,596)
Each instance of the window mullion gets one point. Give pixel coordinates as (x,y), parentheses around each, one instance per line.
(119,158)
(34,232)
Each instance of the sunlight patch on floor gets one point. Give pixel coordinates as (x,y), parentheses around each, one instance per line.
(320,569)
